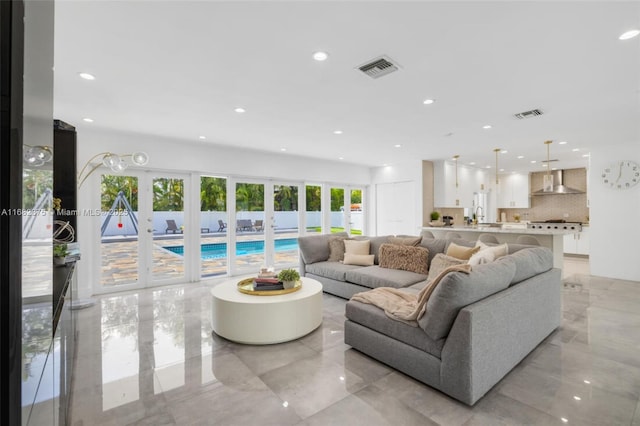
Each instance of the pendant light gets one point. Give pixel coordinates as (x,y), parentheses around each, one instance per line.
(455,158)
(547,185)
(497,150)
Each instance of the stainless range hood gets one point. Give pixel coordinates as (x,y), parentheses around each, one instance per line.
(558,187)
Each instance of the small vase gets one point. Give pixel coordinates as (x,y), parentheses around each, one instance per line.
(288,284)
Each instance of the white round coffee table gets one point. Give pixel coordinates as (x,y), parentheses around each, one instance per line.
(262,320)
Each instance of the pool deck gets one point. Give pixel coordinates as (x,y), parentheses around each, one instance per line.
(120,257)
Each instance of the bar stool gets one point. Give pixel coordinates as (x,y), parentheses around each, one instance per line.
(452,236)
(528,239)
(488,238)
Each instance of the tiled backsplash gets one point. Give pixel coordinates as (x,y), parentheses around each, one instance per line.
(544,207)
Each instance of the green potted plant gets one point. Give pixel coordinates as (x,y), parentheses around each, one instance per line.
(435,216)
(60,253)
(288,277)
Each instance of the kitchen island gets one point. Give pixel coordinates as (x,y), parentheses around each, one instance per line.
(550,238)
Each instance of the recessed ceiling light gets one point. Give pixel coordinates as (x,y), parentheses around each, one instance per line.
(502,170)
(320,56)
(428,101)
(87,76)
(564,419)
(585,155)
(487,167)
(504,151)
(397,145)
(587,382)
(337,132)
(385,165)
(562,143)
(340,158)
(554,168)
(533,161)
(283,149)
(486,126)
(629,34)
(88,120)
(202,137)
(240,110)
(520,157)
(473,163)
(577,398)
(545,165)
(575,149)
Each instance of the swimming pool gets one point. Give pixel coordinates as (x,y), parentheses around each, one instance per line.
(243,248)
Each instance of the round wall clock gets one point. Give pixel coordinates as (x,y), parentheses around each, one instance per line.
(621,174)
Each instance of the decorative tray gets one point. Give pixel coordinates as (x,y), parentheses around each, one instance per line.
(246,286)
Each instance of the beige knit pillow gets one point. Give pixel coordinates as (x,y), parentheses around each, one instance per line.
(441,262)
(356,246)
(405,258)
(358,259)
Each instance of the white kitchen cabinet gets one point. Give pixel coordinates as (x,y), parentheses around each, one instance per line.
(447,194)
(514,191)
(577,243)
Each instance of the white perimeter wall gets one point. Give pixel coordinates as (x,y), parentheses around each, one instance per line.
(614,217)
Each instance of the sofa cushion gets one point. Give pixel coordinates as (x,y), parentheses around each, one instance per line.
(405,240)
(315,248)
(333,270)
(358,259)
(375,276)
(336,249)
(374,318)
(434,246)
(357,246)
(403,257)
(498,250)
(529,262)
(457,290)
(375,242)
(461,252)
(442,262)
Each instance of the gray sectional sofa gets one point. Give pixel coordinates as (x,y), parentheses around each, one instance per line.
(476,328)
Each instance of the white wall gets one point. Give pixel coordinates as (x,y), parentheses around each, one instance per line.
(186,156)
(614,217)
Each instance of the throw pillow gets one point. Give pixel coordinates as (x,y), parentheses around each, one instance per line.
(356,247)
(441,262)
(457,290)
(336,249)
(405,241)
(461,252)
(481,257)
(405,258)
(358,259)
(498,251)
(315,248)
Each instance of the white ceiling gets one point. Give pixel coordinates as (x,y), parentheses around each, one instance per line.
(178,69)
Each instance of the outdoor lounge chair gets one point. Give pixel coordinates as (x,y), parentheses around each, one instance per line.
(221,225)
(244,225)
(171,226)
(259,225)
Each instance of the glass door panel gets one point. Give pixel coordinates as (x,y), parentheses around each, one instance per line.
(356,213)
(213,226)
(337,210)
(249,223)
(285,225)
(119,231)
(314,209)
(168,219)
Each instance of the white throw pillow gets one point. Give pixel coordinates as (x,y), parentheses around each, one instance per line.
(483,256)
(357,247)
(498,251)
(358,259)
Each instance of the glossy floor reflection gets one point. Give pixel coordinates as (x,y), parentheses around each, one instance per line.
(150,358)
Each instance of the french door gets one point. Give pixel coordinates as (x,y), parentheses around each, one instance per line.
(265,225)
(145,230)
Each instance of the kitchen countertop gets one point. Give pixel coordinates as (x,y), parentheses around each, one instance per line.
(496,230)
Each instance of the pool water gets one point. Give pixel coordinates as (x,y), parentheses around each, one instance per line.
(243,248)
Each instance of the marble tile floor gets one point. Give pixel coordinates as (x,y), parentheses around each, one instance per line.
(150,358)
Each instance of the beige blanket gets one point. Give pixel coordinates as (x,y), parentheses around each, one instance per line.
(402,306)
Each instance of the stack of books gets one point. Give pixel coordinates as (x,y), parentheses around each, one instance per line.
(267,283)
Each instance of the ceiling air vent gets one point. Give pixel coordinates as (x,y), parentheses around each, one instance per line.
(528,114)
(379,67)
